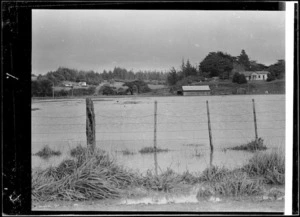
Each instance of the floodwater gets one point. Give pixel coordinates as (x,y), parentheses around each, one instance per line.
(182,127)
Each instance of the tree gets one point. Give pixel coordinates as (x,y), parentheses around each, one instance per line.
(254,66)
(217,64)
(244,59)
(189,69)
(278,69)
(271,77)
(172,77)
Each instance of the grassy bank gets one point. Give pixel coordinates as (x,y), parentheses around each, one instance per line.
(90,176)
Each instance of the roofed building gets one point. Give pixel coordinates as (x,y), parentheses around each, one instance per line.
(196,90)
(255,75)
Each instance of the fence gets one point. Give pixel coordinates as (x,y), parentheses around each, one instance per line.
(201,122)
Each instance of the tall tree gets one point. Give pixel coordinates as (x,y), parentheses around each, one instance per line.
(244,59)
(172,77)
(217,64)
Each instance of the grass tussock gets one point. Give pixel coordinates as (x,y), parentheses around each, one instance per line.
(78,151)
(255,145)
(166,181)
(127,152)
(89,176)
(148,150)
(224,182)
(47,152)
(270,166)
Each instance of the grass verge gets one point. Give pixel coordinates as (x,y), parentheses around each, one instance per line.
(47,152)
(90,176)
(148,150)
(255,145)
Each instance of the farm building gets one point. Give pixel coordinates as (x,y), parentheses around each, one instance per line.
(196,90)
(256,76)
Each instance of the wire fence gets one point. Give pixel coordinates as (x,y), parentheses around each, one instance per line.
(190,124)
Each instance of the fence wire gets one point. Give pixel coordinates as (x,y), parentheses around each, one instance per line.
(145,123)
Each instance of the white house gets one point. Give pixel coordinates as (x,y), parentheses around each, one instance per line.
(196,90)
(83,84)
(259,75)
(255,75)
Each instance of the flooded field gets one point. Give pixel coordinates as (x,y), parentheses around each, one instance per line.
(125,125)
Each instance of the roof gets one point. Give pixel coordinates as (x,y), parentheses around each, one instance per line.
(261,72)
(195,88)
(249,73)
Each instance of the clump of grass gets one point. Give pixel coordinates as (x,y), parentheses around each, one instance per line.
(148,150)
(127,152)
(78,151)
(89,176)
(255,145)
(213,173)
(221,181)
(47,152)
(270,166)
(233,183)
(165,181)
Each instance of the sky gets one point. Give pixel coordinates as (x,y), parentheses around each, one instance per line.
(151,39)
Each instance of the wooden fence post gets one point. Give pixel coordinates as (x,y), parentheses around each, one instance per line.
(154,142)
(209,128)
(90,125)
(254,115)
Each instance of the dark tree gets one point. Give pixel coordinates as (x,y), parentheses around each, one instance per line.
(217,64)
(244,59)
(172,77)
(278,69)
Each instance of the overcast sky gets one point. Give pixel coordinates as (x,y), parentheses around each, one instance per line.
(151,40)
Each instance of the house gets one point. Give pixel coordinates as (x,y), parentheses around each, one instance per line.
(259,75)
(82,83)
(196,90)
(255,75)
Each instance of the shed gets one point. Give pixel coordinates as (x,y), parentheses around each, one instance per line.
(196,90)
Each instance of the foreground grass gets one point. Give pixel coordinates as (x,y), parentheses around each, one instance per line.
(255,145)
(148,150)
(47,152)
(95,175)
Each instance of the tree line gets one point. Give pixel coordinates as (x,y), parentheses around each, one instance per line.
(224,66)
(94,78)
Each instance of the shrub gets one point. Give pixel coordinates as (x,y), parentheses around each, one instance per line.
(107,90)
(271,77)
(47,152)
(239,78)
(254,145)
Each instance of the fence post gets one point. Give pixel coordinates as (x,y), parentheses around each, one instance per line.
(209,129)
(90,125)
(154,142)
(254,115)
